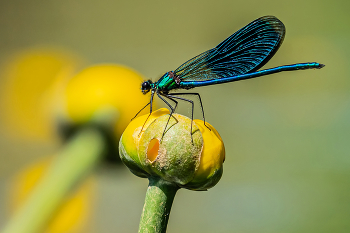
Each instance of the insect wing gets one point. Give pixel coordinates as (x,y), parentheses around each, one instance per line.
(245,51)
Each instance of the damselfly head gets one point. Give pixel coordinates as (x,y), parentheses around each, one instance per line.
(146,86)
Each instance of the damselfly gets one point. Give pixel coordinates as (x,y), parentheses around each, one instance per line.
(239,57)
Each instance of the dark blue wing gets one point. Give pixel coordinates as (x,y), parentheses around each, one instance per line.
(245,51)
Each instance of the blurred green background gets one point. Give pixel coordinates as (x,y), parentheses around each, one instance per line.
(287,135)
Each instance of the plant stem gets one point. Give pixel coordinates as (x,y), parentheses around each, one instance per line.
(75,160)
(159,199)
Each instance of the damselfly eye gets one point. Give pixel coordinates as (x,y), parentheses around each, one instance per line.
(145,87)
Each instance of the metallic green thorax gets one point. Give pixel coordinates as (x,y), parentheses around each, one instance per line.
(165,83)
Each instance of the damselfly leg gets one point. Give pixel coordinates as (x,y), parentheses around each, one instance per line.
(200,101)
(150,112)
(171,107)
(139,111)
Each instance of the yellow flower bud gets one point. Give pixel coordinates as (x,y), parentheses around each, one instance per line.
(190,162)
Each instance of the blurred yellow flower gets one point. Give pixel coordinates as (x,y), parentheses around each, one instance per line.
(105,88)
(72,215)
(28,80)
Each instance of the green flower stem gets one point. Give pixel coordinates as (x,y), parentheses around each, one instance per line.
(159,199)
(74,161)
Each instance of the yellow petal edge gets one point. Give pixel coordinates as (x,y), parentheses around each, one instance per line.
(213,154)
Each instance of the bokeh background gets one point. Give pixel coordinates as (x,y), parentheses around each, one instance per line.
(287,135)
